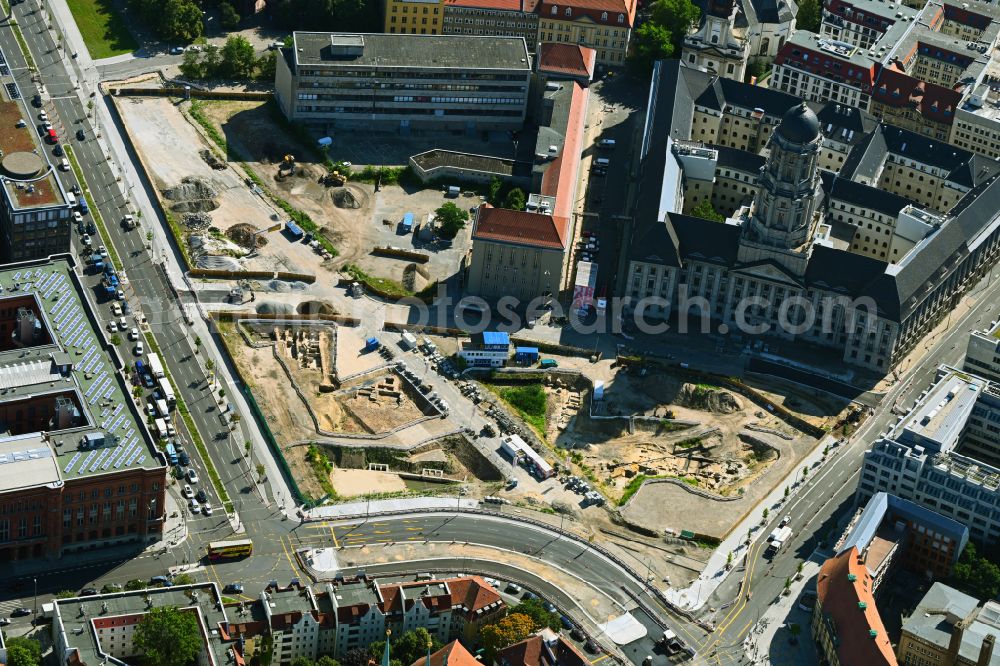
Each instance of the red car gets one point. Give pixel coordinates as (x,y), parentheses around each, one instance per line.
(52,136)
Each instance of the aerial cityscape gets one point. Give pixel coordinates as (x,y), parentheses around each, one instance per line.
(499,332)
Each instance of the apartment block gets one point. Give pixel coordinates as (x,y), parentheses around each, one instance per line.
(603,25)
(413,17)
(493,18)
(404,82)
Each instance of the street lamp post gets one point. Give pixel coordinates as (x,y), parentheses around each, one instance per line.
(35,617)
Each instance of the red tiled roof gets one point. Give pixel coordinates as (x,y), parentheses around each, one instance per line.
(531,652)
(843,585)
(525,6)
(512,226)
(560,179)
(472,592)
(592,9)
(571,59)
(452,654)
(898,89)
(827,65)
(350,614)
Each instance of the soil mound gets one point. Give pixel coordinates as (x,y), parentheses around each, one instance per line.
(709,399)
(193,195)
(315,307)
(244,235)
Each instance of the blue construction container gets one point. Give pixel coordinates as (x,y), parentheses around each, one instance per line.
(371,344)
(525,355)
(294,230)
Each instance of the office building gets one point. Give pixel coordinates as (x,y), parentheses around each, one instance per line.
(489,349)
(982,356)
(88,631)
(404,82)
(943,454)
(603,25)
(790,244)
(518,254)
(950,628)
(493,18)
(413,17)
(78,469)
(35,217)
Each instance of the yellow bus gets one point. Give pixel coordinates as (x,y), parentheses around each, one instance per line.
(229,550)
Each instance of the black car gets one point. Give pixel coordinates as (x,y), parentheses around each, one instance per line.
(233,588)
(184,459)
(80,136)
(88,591)
(75,190)
(58,151)
(20,612)
(91,228)
(36,101)
(80,229)
(201,496)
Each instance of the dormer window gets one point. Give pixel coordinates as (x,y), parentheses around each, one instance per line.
(569,11)
(621,18)
(555,10)
(604,16)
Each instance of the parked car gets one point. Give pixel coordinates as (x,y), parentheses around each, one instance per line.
(58,151)
(206,509)
(188,491)
(195,507)
(88,592)
(192,476)
(233,588)
(20,611)
(202,496)
(161,580)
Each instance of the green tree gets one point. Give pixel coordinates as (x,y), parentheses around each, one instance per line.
(303,661)
(183,579)
(808,17)
(267,65)
(238,58)
(211,62)
(327,660)
(677,16)
(542,617)
(135,584)
(975,574)
(228,16)
(511,629)
(452,219)
(192,66)
(167,636)
(515,199)
(179,20)
(496,187)
(706,211)
(412,645)
(65,594)
(355,657)
(23,651)
(651,43)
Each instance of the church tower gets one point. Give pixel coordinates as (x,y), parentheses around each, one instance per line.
(782,220)
(714,46)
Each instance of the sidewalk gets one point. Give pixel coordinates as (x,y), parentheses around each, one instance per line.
(769,640)
(694,596)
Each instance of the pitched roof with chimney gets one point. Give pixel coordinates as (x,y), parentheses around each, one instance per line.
(535,651)
(845,598)
(452,654)
(520,228)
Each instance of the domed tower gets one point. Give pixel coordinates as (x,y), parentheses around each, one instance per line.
(783,217)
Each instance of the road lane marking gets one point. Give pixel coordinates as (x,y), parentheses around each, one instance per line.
(415,539)
(291,561)
(414,529)
(334,535)
(383,532)
(601,658)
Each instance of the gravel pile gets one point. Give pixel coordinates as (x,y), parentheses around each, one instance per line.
(197,220)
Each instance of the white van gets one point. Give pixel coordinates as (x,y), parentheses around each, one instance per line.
(602,162)
(71,198)
(64,165)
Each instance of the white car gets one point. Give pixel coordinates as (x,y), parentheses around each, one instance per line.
(139,349)
(116,309)
(47,125)
(112,326)
(195,507)
(188,491)
(43,116)
(86,240)
(192,475)
(122,323)
(150,409)
(133,334)
(77,217)
(206,509)
(120,295)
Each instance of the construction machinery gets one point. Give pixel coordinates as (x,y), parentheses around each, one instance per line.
(287,166)
(333,178)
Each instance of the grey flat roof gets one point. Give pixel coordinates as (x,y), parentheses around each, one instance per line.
(940,417)
(411,51)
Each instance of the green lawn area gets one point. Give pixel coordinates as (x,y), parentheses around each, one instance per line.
(103,29)
(528,401)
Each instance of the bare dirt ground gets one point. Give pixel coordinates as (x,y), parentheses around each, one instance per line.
(355,228)
(351,355)
(355,482)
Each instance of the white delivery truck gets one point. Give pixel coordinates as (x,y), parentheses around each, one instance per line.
(777,540)
(167,390)
(155,365)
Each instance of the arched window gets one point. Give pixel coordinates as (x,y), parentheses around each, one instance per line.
(569,11)
(715,39)
(555,10)
(604,16)
(621,18)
